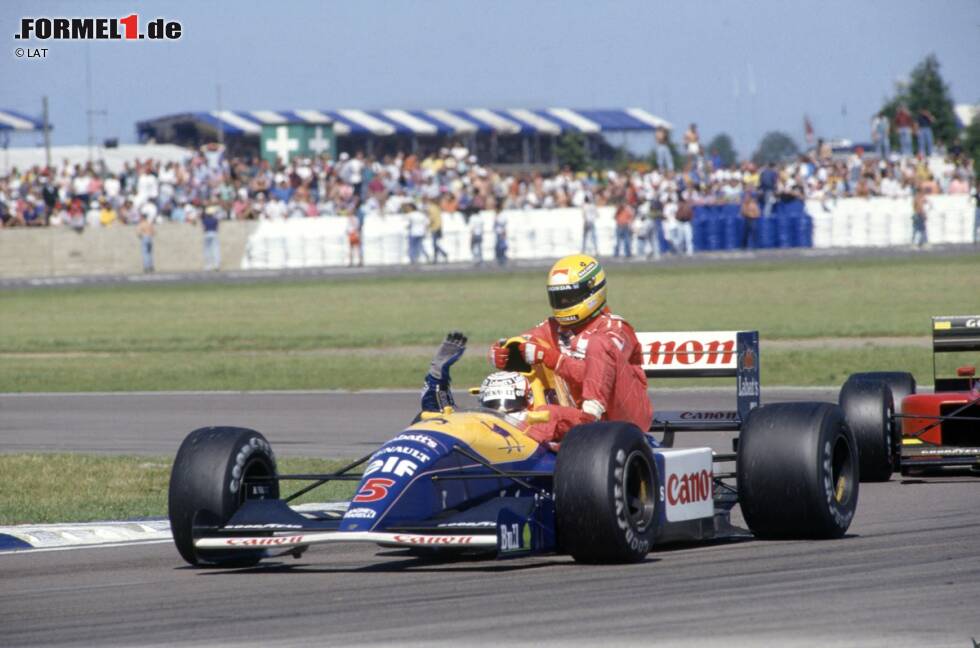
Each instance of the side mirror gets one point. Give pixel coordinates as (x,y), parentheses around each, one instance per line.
(539,416)
(428,416)
(967,371)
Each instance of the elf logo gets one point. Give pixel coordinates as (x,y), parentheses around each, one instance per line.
(395,465)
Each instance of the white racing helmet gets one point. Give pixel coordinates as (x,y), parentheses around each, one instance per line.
(506,391)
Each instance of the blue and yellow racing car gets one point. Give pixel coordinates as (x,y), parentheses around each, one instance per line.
(474,481)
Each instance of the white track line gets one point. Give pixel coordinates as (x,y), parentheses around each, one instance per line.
(26,551)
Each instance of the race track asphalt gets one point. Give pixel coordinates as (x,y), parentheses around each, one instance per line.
(908,573)
(323,424)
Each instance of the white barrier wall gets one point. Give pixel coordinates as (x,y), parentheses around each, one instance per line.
(309,242)
(882,222)
(849,222)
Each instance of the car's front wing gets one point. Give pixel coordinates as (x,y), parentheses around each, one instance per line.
(307,538)
(513,526)
(917,455)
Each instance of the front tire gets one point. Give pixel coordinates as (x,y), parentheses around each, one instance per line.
(606,493)
(208,484)
(797,471)
(901,383)
(870,413)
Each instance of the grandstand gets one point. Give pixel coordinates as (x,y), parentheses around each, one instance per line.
(13,121)
(515,135)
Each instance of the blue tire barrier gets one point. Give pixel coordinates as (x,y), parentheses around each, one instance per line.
(733,228)
(721,227)
(767,232)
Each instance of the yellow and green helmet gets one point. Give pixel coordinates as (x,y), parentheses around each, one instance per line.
(576,289)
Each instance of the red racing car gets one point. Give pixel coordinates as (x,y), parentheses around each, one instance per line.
(929,431)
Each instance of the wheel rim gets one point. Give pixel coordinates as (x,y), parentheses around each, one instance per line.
(258,472)
(640,491)
(257,480)
(842,470)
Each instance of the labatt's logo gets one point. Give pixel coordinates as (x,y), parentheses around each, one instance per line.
(748,386)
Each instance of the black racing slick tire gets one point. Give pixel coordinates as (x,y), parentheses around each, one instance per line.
(606,493)
(901,384)
(797,471)
(870,413)
(208,484)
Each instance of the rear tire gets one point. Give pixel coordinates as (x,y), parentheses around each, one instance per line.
(870,413)
(606,493)
(797,471)
(206,488)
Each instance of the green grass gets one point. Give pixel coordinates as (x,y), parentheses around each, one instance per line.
(40,488)
(360,333)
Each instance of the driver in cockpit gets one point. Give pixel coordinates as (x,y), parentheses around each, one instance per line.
(508,392)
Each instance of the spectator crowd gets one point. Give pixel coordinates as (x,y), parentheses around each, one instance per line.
(207,184)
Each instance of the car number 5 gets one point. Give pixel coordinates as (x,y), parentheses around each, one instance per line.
(374,489)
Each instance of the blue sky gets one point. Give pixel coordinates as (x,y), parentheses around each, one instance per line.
(740,67)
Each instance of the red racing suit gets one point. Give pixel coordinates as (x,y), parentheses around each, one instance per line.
(562,419)
(599,361)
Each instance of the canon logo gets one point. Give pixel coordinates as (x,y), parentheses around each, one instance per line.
(689,488)
(709,416)
(688,352)
(264,542)
(433,540)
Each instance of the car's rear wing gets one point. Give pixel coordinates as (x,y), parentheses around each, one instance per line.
(954,334)
(700,354)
